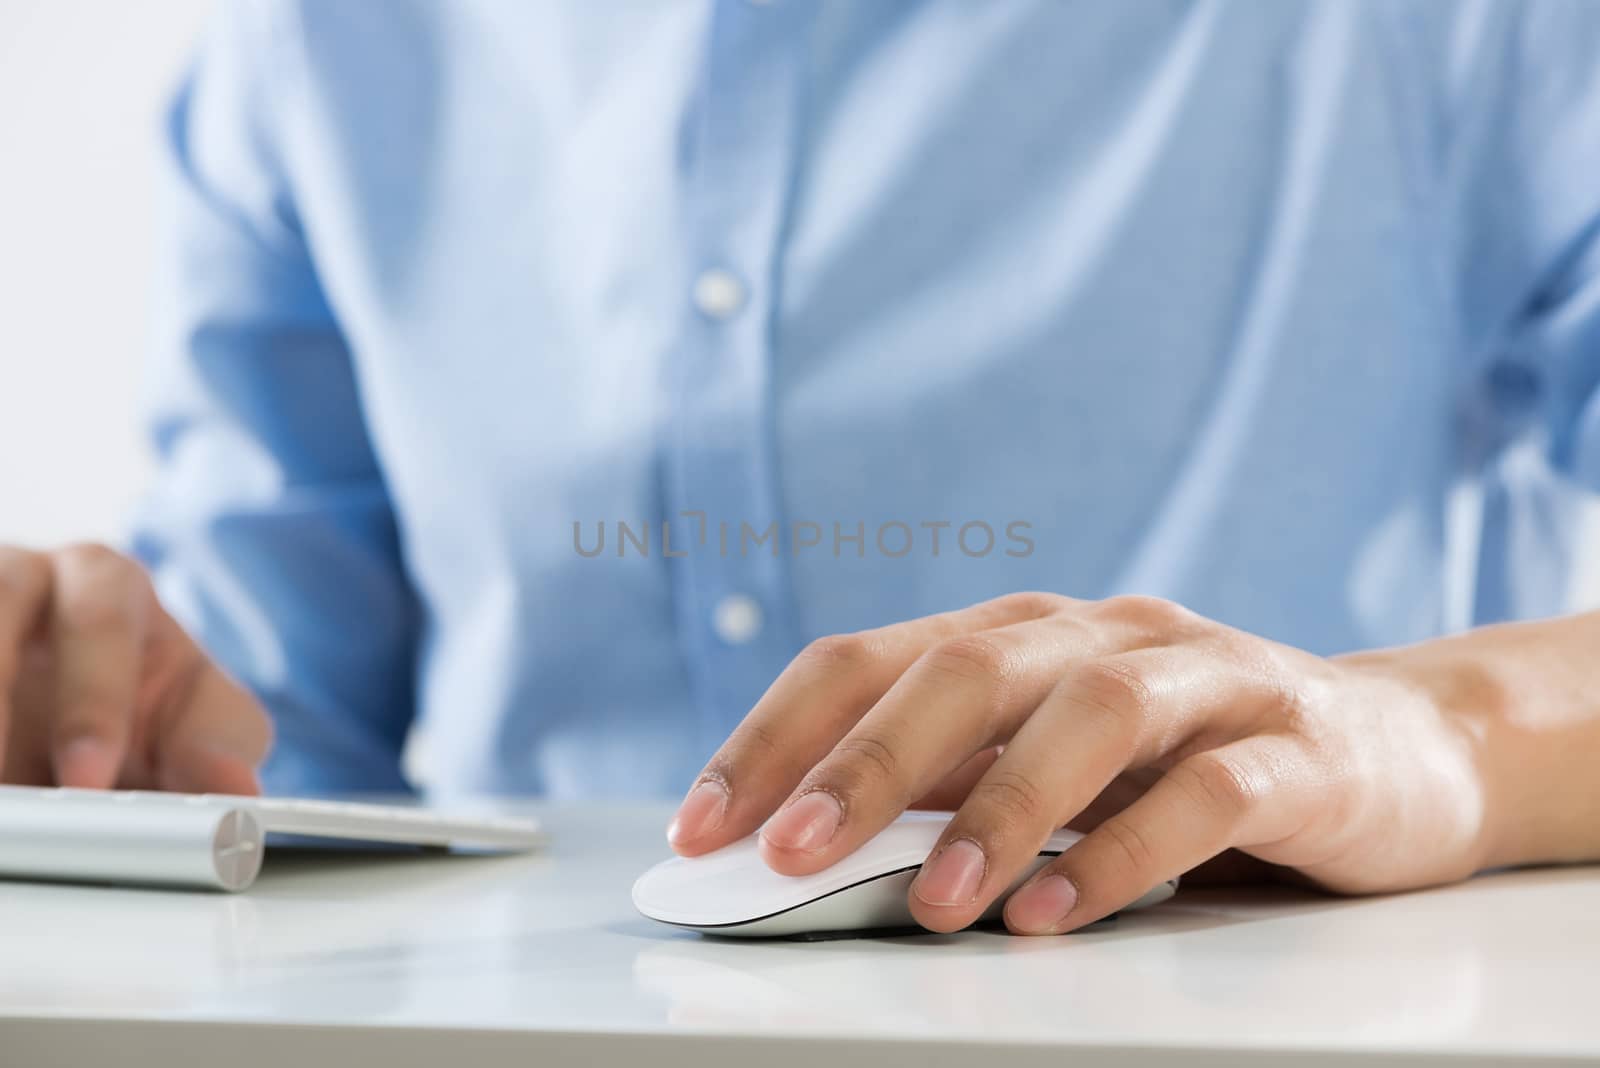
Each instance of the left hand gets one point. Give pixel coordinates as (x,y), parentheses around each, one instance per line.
(1168,737)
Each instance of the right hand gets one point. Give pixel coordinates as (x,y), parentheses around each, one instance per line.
(101,688)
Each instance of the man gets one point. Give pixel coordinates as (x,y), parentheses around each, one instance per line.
(549,377)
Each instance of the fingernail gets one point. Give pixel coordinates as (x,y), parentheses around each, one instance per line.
(807,825)
(86,762)
(952,877)
(1042,906)
(700,814)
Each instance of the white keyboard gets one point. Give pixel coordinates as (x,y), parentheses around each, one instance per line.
(213,841)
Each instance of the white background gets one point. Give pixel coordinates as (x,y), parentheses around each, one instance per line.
(82,84)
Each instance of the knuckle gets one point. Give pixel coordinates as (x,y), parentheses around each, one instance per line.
(1127,844)
(98,588)
(753,741)
(90,556)
(1030,603)
(974,659)
(1150,614)
(92,708)
(861,758)
(1274,679)
(838,652)
(90,717)
(1015,797)
(1291,700)
(754,750)
(759,737)
(1217,785)
(1112,691)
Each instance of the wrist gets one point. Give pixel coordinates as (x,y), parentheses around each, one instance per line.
(1452,705)
(1519,702)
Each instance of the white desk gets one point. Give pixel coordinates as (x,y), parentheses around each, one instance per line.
(462,961)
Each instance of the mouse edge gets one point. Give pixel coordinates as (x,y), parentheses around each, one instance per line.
(1162,891)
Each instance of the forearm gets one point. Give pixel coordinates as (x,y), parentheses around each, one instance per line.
(1526,698)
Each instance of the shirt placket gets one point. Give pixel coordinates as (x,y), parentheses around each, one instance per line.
(728,561)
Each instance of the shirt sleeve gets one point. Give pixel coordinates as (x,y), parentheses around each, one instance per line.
(1519,170)
(269,529)
(1527,126)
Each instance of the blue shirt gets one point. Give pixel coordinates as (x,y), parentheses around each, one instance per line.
(1289,312)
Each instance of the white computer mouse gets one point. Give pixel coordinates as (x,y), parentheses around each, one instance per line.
(732,892)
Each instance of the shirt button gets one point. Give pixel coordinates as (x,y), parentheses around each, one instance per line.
(737,618)
(718,293)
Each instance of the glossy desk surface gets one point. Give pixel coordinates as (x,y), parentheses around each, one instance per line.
(541,959)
